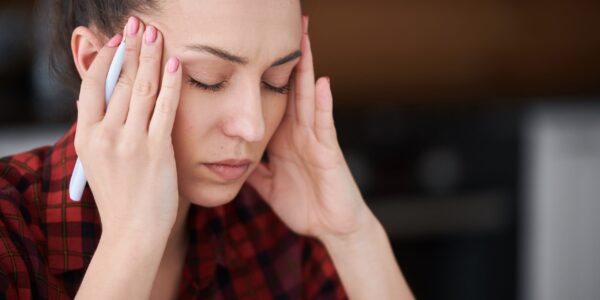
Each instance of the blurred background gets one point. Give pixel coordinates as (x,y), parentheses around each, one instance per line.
(472,127)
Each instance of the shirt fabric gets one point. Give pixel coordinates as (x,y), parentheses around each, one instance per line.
(240,250)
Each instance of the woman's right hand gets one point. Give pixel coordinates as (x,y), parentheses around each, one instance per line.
(127,152)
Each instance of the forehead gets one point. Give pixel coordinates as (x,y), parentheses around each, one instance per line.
(257,29)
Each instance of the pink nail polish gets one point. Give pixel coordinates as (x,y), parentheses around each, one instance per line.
(150,34)
(133,26)
(172,65)
(114,41)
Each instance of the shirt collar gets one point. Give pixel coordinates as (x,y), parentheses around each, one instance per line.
(80,222)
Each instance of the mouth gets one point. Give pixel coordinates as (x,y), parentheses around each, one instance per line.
(230,169)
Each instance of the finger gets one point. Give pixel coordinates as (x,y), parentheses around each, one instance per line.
(163,117)
(91,94)
(262,181)
(119,102)
(290,110)
(146,83)
(324,125)
(305,82)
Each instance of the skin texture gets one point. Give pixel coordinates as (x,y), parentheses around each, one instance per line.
(238,121)
(144,157)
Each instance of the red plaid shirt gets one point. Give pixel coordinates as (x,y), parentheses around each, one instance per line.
(240,250)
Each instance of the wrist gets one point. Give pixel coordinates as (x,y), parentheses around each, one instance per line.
(135,234)
(365,263)
(124,265)
(138,228)
(147,249)
(367,227)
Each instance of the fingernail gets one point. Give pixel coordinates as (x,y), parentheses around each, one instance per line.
(172,65)
(328,80)
(114,41)
(150,34)
(305,24)
(133,26)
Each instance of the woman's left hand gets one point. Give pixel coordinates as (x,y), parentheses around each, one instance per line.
(307,181)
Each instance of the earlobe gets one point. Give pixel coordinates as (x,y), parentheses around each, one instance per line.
(85,44)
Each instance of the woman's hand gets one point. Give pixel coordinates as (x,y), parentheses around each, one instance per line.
(129,161)
(127,152)
(309,186)
(307,181)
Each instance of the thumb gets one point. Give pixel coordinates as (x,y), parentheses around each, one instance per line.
(262,181)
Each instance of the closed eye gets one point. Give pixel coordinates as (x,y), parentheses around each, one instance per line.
(281,90)
(213,88)
(219,86)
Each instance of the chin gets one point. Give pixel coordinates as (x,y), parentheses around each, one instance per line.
(211,195)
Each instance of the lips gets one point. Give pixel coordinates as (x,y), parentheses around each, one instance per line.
(230,169)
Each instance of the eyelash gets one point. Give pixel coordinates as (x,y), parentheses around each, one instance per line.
(217,87)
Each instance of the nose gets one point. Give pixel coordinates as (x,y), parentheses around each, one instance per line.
(245,119)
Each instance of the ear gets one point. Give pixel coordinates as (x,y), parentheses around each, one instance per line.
(85,45)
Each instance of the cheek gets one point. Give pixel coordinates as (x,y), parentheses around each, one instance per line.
(189,129)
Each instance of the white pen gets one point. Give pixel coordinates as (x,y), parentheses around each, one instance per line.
(78,180)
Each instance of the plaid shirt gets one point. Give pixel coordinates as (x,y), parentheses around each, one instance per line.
(240,250)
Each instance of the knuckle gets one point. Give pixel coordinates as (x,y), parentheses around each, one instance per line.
(104,141)
(124,81)
(144,88)
(90,83)
(169,87)
(164,106)
(128,148)
(131,50)
(148,58)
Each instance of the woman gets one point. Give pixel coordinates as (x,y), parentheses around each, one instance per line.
(187,207)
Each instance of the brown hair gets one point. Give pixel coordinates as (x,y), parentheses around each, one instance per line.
(107,16)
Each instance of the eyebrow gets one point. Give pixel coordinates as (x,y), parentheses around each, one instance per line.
(223,54)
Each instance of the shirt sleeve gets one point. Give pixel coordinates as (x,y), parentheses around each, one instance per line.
(319,274)
(15,278)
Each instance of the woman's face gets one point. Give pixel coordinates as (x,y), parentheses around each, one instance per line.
(246,52)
